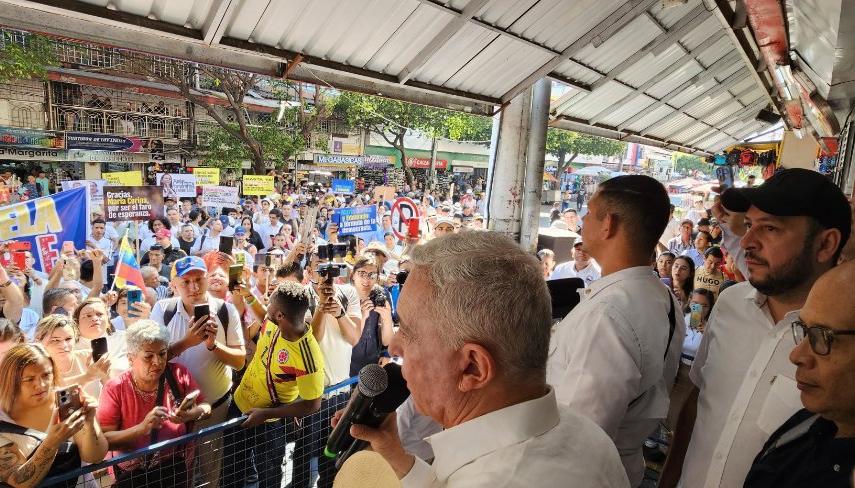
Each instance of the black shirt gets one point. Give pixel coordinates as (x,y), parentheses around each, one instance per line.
(803,453)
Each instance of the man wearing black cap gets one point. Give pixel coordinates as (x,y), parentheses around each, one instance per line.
(797,223)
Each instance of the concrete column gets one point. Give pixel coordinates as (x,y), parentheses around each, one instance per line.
(505,178)
(534,164)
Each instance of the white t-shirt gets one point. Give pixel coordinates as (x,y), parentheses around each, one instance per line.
(212,375)
(266,230)
(117,352)
(336,349)
(589,273)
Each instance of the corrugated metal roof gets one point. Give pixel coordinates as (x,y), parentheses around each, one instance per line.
(455,53)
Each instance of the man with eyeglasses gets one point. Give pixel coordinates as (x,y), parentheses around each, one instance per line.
(796,224)
(816,446)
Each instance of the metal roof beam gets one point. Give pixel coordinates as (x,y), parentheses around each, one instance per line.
(440,39)
(735,117)
(216,23)
(570,123)
(690,56)
(614,22)
(702,77)
(713,91)
(710,110)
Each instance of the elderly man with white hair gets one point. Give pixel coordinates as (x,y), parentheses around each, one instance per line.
(476,364)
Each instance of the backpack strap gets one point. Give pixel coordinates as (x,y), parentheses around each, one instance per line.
(672,324)
(170,310)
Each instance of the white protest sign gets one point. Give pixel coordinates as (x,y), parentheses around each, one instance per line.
(177,185)
(220,196)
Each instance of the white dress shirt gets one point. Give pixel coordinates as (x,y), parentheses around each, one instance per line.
(266,230)
(607,359)
(589,273)
(534,443)
(746,386)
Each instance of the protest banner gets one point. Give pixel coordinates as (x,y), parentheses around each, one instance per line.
(96,189)
(46,223)
(177,186)
(343,186)
(258,185)
(102,142)
(132,203)
(384,193)
(220,196)
(403,210)
(359,221)
(207,176)
(123,178)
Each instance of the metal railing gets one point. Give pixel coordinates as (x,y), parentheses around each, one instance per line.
(285,451)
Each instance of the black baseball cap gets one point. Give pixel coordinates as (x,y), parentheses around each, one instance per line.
(703,221)
(796,192)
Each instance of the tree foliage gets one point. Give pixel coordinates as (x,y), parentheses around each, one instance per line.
(27,58)
(687,164)
(465,127)
(567,146)
(226,151)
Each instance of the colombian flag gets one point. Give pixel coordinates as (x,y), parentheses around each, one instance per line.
(127,268)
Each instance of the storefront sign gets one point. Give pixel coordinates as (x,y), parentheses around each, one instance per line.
(24,154)
(338,159)
(424,163)
(258,185)
(463,169)
(45,223)
(220,196)
(124,178)
(207,176)
(11,136)
(96,189)
(102,142)
(132,203)
(177,186)
(106,156)
(343,186)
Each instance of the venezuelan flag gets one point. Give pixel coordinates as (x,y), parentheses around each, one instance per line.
(127,268)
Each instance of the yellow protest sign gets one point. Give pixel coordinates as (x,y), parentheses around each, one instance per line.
(124,178)
(258,185)
(207,176)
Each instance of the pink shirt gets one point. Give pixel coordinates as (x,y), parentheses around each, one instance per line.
(120,405)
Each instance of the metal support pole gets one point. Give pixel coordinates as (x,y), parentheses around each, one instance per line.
(534,164)
(507,167)
(431,179)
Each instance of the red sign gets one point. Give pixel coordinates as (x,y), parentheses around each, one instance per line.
(424,163)
(403,210)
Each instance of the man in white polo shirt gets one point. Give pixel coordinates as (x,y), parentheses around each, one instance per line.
(797,223)
(582,266)
(211,348)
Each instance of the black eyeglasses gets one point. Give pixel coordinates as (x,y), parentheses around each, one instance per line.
(820,338)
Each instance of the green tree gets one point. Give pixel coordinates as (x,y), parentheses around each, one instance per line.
(391,119)
(687,164)
(227,151)
(466,127)
(29,56)
(567,146)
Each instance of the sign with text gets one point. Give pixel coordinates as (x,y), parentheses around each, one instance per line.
(45,223)
(356,220)
(102,142)
(96,189)
(207,176)
(424,163)
(258,185)
(343,186)
(33,138)
(177,186)
(220,196)
(88,156)
(384,193)
(132,203)
(29,154)
(123,178)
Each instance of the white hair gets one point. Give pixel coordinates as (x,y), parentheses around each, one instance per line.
(485,289)
(145,332)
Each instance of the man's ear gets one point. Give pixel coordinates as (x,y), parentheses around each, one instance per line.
(477,366)
(829,241)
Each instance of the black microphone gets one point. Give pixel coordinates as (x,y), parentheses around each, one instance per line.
(380,391)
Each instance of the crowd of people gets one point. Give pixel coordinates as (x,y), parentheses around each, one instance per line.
(689,335)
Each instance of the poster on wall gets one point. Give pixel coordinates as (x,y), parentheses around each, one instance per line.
(177,186)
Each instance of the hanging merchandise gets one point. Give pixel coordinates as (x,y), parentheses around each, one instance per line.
(747,158)
(720,160)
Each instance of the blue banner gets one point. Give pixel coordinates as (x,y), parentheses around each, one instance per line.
(46,223)
(343,186)
(101,142)
(359,221)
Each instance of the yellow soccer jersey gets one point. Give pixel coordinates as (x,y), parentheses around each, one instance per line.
(281,371)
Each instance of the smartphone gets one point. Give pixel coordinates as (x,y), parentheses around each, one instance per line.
(696,315)
(188,400)
(201,310)
(99,348)
(134,296)
(725,177)
(235,272)
(68,401)
(226,244)
(240,258)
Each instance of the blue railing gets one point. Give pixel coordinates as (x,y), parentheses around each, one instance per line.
(170,443)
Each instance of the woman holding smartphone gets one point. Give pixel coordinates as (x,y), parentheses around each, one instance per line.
(36,441)
(58,335)
(151,402)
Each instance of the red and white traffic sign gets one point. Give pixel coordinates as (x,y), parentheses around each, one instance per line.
(403,209)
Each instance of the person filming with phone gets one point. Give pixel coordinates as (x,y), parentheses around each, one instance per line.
(45,430)
(151,402)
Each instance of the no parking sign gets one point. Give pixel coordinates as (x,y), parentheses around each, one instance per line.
(403,210)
